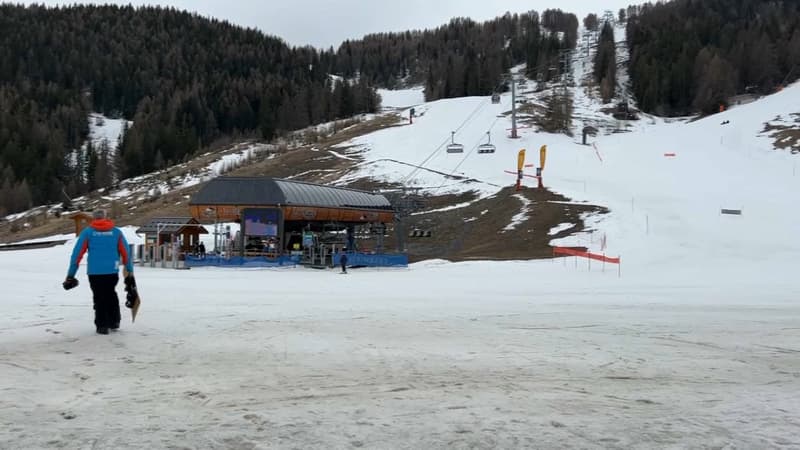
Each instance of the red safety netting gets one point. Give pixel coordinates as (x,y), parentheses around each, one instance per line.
(584,254)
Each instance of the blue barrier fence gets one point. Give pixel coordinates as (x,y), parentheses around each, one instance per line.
(239,261)
(353,259)
(372,260)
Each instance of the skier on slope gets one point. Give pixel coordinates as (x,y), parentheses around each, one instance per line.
(106,245)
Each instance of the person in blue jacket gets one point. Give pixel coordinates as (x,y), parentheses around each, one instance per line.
(106,246)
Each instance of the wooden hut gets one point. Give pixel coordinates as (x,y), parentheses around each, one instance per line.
(165,230)
(82,220)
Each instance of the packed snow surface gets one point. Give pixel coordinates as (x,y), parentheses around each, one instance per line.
(402,98)
(543,354)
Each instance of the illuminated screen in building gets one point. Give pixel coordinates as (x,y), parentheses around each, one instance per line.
(261,222)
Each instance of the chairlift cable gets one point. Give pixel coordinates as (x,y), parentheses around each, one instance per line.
(466,156)
(421,165)
(446,141)
(478,108)
(476,145)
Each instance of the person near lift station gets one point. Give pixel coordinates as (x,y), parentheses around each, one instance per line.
(106,245)
(343,260)
(201,250)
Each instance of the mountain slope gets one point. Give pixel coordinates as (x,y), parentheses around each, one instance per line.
(665,210)
(658,212)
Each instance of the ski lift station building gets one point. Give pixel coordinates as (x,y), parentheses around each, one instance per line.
(280,217)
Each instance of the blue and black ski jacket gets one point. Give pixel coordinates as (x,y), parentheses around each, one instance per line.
(106,246)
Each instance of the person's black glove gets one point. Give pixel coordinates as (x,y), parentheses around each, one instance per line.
(130,289)
(70,283)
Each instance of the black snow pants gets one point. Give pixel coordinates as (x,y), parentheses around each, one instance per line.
(106,302)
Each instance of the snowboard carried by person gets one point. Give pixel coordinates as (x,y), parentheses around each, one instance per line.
(132,299)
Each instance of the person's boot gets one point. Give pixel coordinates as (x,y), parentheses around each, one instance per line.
(102,330)
(114,326)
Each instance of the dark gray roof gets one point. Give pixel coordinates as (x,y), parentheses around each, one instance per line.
(168,225)
(261,191)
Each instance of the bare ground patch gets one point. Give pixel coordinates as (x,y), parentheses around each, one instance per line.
(478,231)
(785,133)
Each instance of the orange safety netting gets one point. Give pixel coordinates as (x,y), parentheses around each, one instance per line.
(584,254)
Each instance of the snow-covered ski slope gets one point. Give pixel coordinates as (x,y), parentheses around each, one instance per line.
(530,354)
(665,210)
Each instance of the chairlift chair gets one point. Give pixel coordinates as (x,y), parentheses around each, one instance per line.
(453,147)
(488,147)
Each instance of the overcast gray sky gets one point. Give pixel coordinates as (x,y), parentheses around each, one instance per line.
(323,23)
